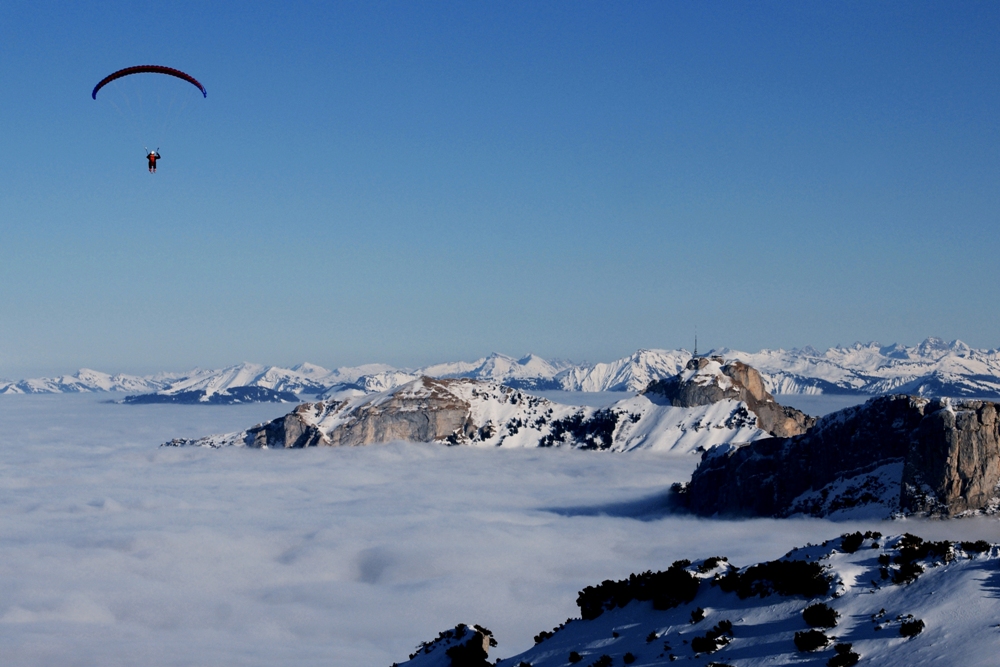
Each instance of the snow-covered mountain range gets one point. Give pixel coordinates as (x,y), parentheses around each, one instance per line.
(932,368)
(857,599)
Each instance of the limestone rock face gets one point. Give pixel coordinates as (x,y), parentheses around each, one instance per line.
(908,454)
(953,463)
(428,415)
(294,430)
(708,380)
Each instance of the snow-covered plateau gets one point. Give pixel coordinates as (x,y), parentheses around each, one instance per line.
(932,368)
(114,551)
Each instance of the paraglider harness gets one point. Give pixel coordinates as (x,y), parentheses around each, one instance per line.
(152,156)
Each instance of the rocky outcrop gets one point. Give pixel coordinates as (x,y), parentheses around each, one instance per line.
(426,412)
(708,380)
(461,646)
(231,396)
(294,430)
(953,462)
(901,453)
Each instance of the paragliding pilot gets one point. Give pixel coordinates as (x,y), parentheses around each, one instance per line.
(153,156)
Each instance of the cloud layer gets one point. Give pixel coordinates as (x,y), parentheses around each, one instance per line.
(116,552)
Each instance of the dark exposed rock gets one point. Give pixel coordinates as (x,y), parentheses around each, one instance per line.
(708,380)
(463,646)
(290,431)
(230,396)
(949,451)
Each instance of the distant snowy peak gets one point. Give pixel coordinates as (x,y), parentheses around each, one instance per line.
(311,381)
(368,384)
(934,368)
(498,367)
(300,379)
(530,372)
(633,373)
(84,380)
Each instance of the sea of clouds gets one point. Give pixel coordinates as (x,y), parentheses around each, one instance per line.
(114,551)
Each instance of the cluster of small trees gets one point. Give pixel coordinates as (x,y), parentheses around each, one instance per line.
(667,589)
(977,547)
(545,634)
(810,640)
(911,628)
(714,639)
(820,615)
(784,577)
(594,433)
(845,657)
(851,542)
(457,634)
(912,549)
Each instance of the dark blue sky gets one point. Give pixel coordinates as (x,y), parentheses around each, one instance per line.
(416,182)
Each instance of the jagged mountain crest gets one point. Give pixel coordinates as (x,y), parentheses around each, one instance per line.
(933,367)
(707,380)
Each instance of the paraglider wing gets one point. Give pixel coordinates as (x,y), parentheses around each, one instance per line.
(156,69)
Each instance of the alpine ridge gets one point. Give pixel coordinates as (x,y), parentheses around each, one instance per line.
(932,368)
(462,411)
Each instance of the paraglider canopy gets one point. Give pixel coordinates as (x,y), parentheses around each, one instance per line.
(142,69)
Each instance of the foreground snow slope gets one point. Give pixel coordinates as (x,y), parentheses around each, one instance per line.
(952,606)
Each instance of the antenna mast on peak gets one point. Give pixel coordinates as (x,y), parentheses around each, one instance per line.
(695,342)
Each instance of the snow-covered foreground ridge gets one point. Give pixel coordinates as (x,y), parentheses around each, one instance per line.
(858,599)
(932,368)
(482,413)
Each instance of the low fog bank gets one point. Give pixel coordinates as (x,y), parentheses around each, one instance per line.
(819,405)
(117,552)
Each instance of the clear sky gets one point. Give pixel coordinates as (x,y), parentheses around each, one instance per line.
(413,182)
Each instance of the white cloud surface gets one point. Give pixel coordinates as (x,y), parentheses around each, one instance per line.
(116,552)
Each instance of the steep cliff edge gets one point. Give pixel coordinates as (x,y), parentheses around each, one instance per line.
(893,454)
(707,380)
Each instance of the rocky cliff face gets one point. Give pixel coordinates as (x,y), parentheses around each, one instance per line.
(892,454)
(424,411)
(707,380)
